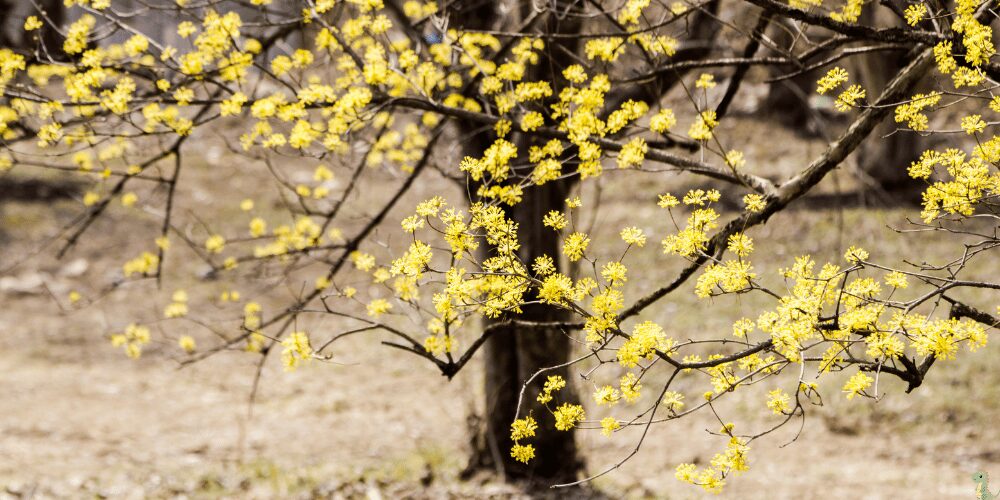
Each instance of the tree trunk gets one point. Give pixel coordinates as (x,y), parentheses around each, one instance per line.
(51,39)
(12,16)
(512,355)
(884,157)
(787,101)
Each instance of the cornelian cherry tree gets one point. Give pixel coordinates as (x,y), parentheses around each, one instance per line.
(538,99)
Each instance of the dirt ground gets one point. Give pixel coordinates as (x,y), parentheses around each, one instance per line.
(78,419)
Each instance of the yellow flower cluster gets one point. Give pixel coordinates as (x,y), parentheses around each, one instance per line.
(296,350)
(849,98)
(915,13)
(694,237)
(795,319)
(646,340)
(778,402)
(568,415)
(523,428)
(553,383)
(833,79)
(178,305)
(969,180)
(912,112)
(701,129)
(713,477)
(132,339)
(849,13)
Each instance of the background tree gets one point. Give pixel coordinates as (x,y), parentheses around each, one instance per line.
(523,106)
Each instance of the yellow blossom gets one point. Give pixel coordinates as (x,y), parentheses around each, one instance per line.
(568,415)
(32,23)
(187,343)
(609,425)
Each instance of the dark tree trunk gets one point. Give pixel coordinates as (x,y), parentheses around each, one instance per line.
(884,157)
(12,16)
(52,41)
(513,355)
(787,100)
(9,32)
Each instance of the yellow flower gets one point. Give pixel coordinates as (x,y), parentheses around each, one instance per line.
(90,198)
(78,34)
(553,383)
(575,73)
(662,121)
(674,401)
(667,200)
(233,105)
(32,23)
(187,343)
(753,202)
(531,121)
(833,79)
(609,425)
(378,307)
(522,453)
(896,279)
(742,327)
(849,13)
(614,273)
(633,236)
(778,402)
(129,199)
(849,98)
(915,13)
(215,243)
(175,310)
(555,289)
(647,338)
(973,124)
(606,395)
(132,340)
(857,384)
(568,415)
(735,159)
(740,244)
(630,387)
(186,29)
(605,49)
(855,254)
(297,350)
(701,129)
(633,153)
(136,45)
(523,428)
(555,220)
(575,245)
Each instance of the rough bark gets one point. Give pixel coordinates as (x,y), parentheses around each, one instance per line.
(512,355)
(787,101)
(885,155)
